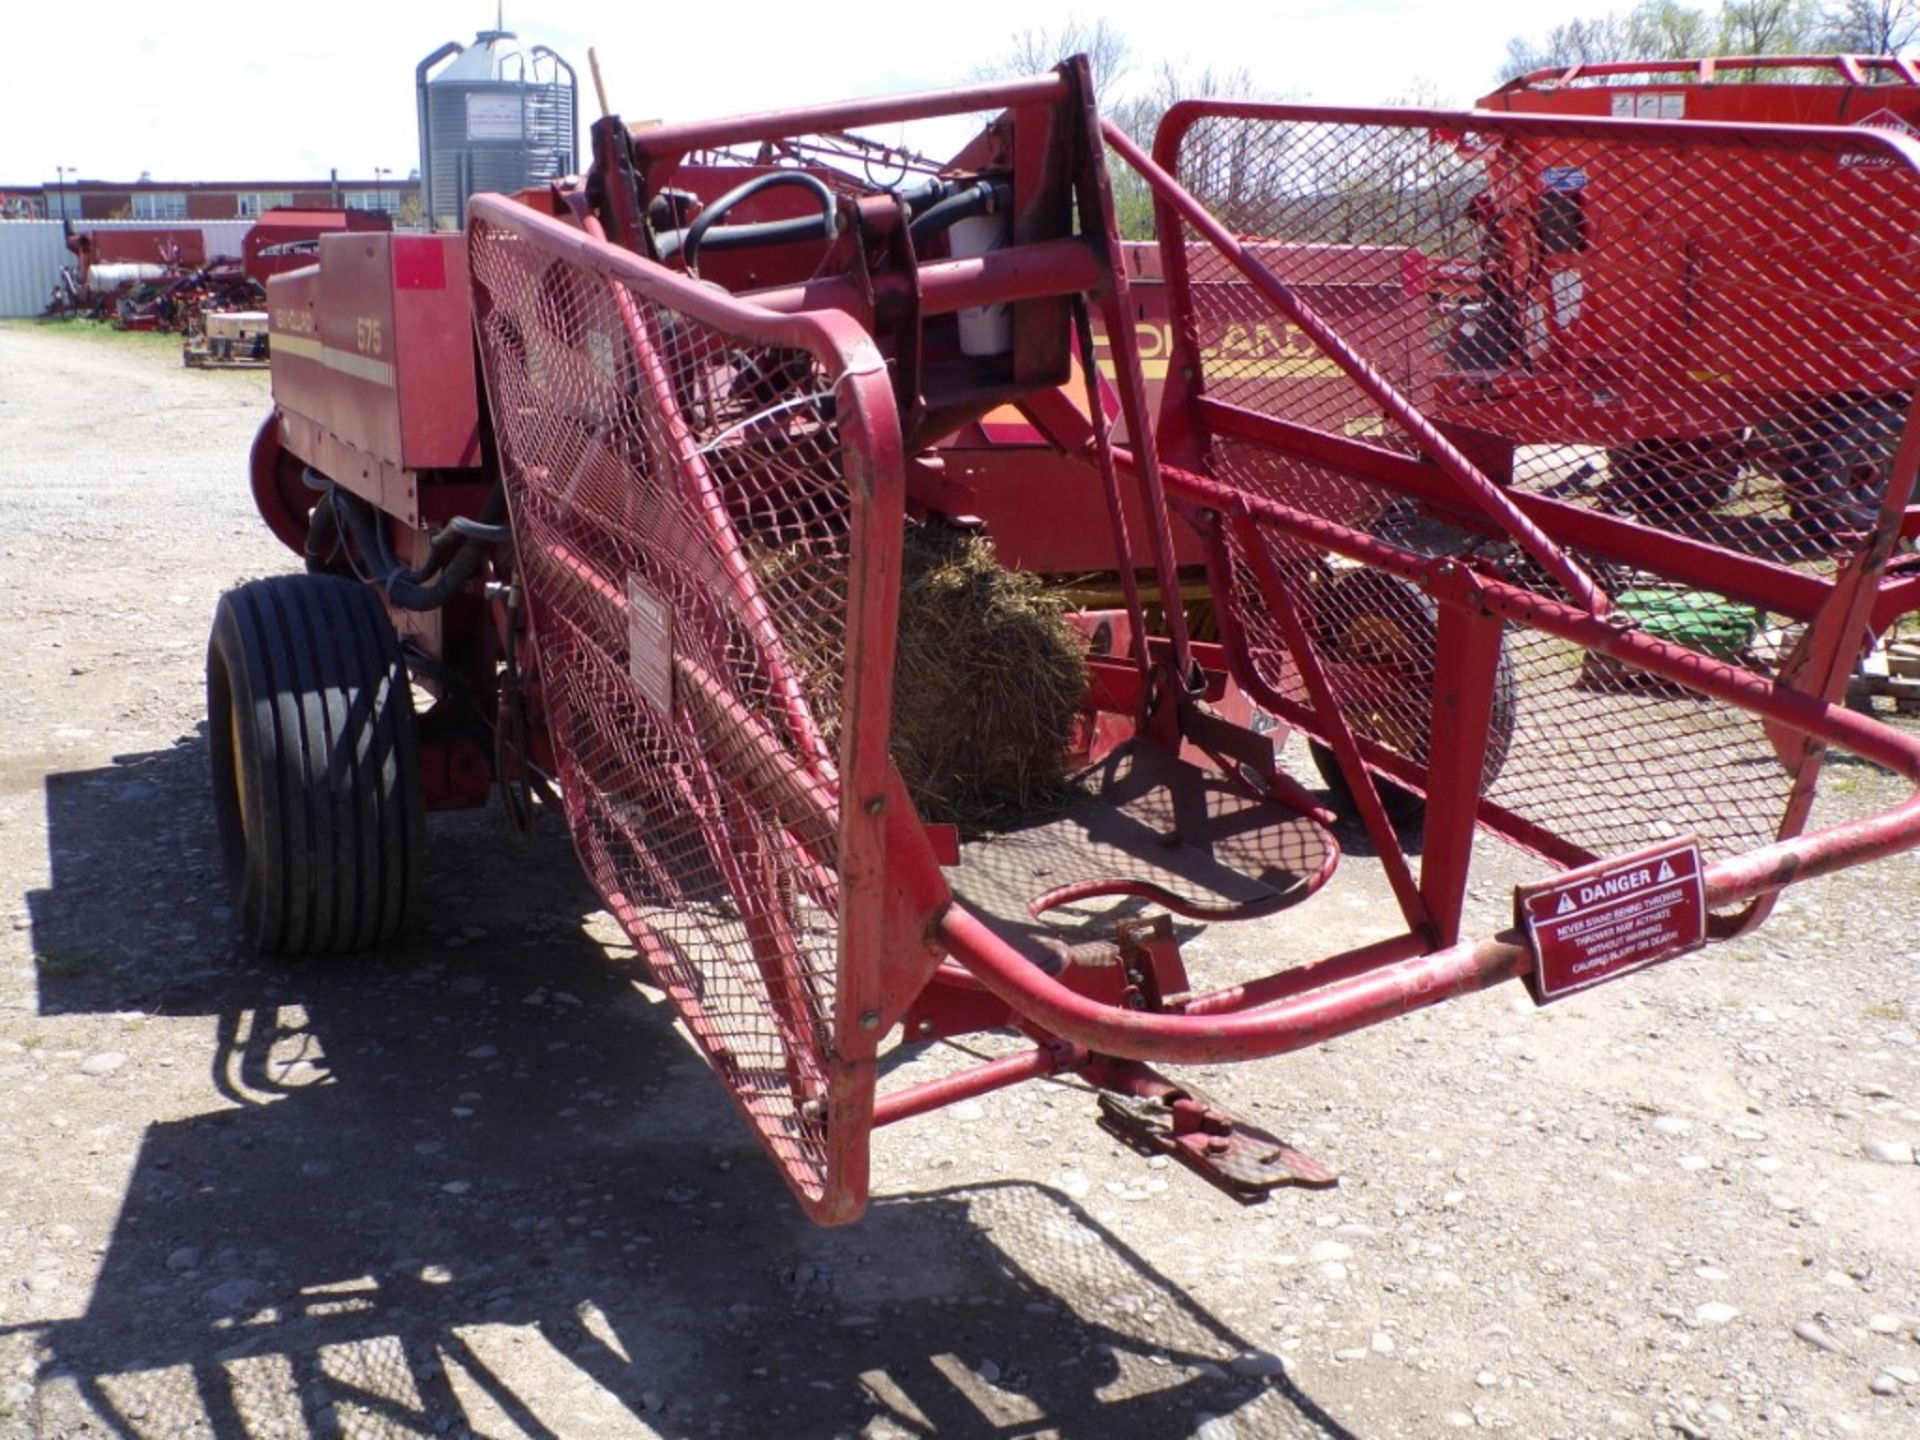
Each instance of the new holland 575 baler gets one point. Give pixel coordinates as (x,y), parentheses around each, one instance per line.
(656,556)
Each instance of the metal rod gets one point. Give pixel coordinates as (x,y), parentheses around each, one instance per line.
(1293,1024)
(1044,1060)
(1278,596)
(1272,989)
(671,140)
(1124,561)
(1018,272)
(599,85)
(1477,488)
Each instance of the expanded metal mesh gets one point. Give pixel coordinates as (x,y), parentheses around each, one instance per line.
(1596,753)
(1714,338)
(682,522)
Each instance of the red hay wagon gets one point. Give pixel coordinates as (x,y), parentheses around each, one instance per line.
(661,557)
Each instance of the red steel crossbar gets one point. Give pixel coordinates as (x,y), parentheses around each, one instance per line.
(1383,986)
(1475,485)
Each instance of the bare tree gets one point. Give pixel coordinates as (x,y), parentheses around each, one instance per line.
(1671,30)
(1871,27)
(1577,42)
(1139,114)
(1133,104)
(1668,30)
(1769,27)
(1031,51)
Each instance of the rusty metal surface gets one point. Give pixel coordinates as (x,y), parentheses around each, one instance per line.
(1237,1155)
(373,350)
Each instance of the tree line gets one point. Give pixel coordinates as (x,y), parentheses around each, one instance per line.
(1245,169)
(1669,30)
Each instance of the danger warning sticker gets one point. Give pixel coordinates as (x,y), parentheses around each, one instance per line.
(1613,917)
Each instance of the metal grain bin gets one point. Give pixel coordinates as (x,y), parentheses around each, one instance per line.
(494,119)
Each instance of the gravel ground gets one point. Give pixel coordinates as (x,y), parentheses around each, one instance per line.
(479,1184)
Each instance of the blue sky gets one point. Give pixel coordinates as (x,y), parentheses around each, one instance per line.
(271,91)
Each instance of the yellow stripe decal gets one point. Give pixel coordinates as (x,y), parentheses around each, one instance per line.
(361,367)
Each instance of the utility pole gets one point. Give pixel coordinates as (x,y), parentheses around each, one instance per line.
(380,172)
(63,171)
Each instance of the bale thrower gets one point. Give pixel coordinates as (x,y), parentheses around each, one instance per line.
(620,479)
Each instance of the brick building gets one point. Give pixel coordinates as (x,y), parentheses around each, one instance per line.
(147,199)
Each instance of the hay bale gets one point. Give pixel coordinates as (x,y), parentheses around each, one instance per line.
(986,681)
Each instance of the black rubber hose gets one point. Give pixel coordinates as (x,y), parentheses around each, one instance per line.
(779,232)
(478,530)
(485,526)
(982,199)
(717,211)
(741,237)
(371,538)
(928,192)
(474,539)
(323,536)
(410,595)
(408,588)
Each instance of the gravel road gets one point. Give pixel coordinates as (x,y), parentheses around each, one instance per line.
(480,1185)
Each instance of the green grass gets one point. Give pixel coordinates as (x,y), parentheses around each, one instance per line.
(95,332)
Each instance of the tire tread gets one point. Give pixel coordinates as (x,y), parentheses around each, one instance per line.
(329,860)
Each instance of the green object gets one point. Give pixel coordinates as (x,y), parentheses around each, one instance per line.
(1699,620)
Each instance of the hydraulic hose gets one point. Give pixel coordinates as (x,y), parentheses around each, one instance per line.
(929,199)
(454,554)
(985,198)
(323,535)
(739,237)
(825,226)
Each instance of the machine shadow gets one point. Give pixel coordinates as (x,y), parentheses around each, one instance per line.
(477,1183)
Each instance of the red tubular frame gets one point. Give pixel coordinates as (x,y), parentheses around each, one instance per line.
(1850,68)
(666,144)
(1053,1058)
(1384,987)
(1290,1010)
(898,918)
(880,944)
(1474,485)
(1373,984)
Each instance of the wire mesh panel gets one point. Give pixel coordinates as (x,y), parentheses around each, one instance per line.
(1706,340)
(684,516)
(1714,334)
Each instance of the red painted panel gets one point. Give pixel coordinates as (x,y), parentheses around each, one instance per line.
(439,384)
(285,239)
(386,371)
(149,245)
(419,262)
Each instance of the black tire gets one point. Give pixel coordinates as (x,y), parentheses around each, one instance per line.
(1673,481)
(1836,455)
(1368,620)
(316,767)
(1403,806)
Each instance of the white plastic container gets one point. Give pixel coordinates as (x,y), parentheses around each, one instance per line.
(984,329)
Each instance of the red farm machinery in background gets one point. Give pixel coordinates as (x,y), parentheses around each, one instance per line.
(1718,434)
(619,479)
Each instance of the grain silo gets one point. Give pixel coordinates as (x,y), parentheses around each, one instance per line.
(495,118)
